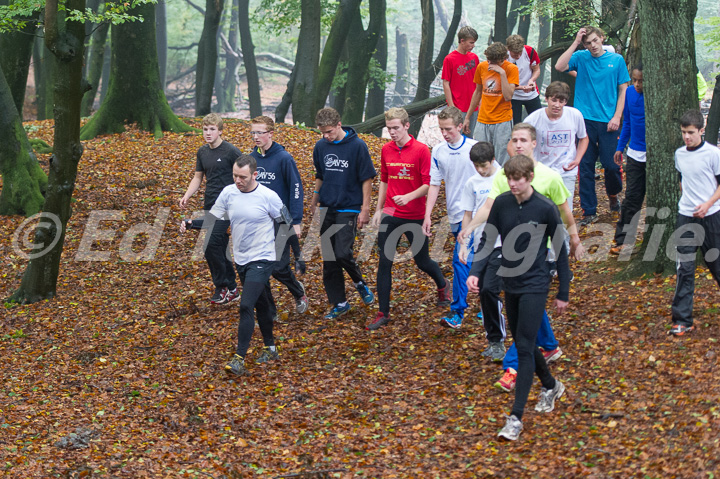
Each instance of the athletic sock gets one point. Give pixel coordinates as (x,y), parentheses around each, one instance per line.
(342,305)
(272,348)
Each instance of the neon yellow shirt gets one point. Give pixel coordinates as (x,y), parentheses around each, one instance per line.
(546,181)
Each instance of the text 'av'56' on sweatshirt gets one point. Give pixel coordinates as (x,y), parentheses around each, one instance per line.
(342,167)
(278,171)
(405,170)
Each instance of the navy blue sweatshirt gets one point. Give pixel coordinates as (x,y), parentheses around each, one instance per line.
(524,229)
(278,171)
(342,167)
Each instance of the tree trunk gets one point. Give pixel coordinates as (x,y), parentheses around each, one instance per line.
(524,22)
(713,119)
(207,57)
(442,15)
(23,179)
(338,93)
(414,109)
(95,64)
(105,77)
(560,33)
(161,41)
(306,63)
(248,51)
(16,49)
(544,32)
(44,67)
(402,87)
(376,93)
(281,110)
(667,33)
(65,40)
(230,77)
(361,42)
(334,48)
(501,27)
(135,94)
(427,68)
(512,17)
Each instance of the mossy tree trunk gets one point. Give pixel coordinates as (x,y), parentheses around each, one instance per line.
(376,92)
(161,40)
(361,42)
(94,68)
(65,41)
(207,57)
(500,32)
(306,63)
(23,179)
(232,62)
(667,32)
(248,51)
(44,68)
(15,53)
(347,10)
(135,94)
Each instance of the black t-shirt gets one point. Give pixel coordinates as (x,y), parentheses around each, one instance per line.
(216,164)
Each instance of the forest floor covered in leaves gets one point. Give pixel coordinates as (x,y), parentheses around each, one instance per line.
(122,374)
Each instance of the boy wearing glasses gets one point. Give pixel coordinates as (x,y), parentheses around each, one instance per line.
(277,170)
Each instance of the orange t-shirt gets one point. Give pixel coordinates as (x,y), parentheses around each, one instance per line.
(493,107)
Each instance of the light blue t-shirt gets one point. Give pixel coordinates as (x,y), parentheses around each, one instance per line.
(596,87)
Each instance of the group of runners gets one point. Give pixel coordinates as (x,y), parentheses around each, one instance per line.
(509,186)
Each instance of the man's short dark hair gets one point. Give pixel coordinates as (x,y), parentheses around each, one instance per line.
(559,90)
(467,33)
(496,53)
(246,160)
(327,117)
(519,166)
(482,152)
(638,67)
(692,118)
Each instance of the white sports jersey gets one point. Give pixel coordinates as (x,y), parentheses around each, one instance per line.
(525,72)
(251,220)
(475,194)
(556,138)
(698,169)
(451,163)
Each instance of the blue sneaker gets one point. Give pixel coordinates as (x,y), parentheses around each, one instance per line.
(365,293)
(479,315)
(454,322)
(338,311)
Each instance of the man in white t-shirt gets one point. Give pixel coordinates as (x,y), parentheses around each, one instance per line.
(557,128)
(527,60)
(698,217)
(487,262)
(451,163)
(253,209)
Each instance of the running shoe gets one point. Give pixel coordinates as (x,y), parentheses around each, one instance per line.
(497,352)
(301,304)
(507,382)
(365,293)
(220,296)
(617,249)
(588,220)
(232,295)
(452,322)
(614,203)
(546,402)
(480,315)
(680,329)
(267,355)
(380,320)
(513,428)
(553,355)
(236,366)
(338,311)
(443,295)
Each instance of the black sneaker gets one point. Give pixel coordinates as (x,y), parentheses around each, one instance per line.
(220,296)
(588,220)
(267,355)
(236,366)
(380,320)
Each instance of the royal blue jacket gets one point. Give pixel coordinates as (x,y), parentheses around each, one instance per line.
(278,171)
(343,167)
(633,128)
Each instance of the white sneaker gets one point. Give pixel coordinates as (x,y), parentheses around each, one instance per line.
(513,428)
(546,403)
